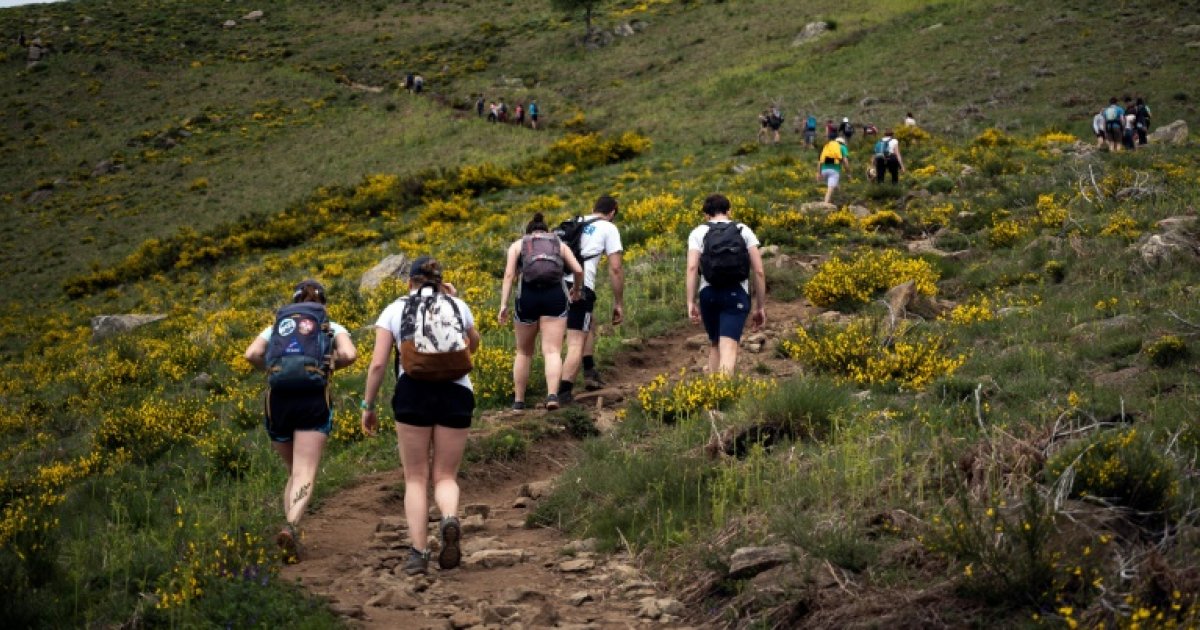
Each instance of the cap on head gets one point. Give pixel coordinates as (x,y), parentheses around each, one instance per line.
(306,288)
(841,140)
(427,268)
(845,120)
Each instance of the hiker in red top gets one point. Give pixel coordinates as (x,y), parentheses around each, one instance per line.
(538,262)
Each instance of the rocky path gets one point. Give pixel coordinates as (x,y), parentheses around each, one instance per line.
(511,576)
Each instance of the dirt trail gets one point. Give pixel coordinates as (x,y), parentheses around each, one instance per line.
(511,576)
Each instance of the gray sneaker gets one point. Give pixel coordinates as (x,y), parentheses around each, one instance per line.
(592,380)
(417,562)
(451,532)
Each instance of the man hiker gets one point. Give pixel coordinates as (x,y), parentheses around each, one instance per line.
(600,237)
(724,256)
(810,131)
(887,157)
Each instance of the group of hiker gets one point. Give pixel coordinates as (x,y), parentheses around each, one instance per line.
(429,334)
(1120,126)
(498,112)
(771,119)
(834,161)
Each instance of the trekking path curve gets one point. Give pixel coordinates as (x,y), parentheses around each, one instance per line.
(511,576)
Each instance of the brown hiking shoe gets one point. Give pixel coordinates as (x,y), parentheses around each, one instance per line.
(450,554)
(288,540)
(592,380)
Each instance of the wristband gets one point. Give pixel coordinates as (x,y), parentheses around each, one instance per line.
(365,406)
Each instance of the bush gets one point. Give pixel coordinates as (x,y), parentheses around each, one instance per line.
(939,185)
(673,400)
(1120,466)
(504,445)
(1167,351)
(855,282)
(801,408)
(868,356)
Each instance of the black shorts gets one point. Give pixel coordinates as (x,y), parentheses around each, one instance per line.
(534,303)
(288,413)
(432,403)
(579,315)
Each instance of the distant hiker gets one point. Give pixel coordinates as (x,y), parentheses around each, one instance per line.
(597,236)
(1128,126)
(418,84)
(408,81)
(887,158)
(479,106)
(538,262)
(299,352)
(775,120)
(846,130)
(502,111)
(1142,110)
(725,257)
(909,121)
(810,131)
(1098,129)
(764,126)
(1112,123)
(519,114)
(534,110)
(831,130)
(493,112)
(834,158)
(432,402)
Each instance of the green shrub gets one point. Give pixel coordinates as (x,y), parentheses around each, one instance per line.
(1167,351)
(802,407)
(501,446)
(1119,466)
(939,185)
(578,423)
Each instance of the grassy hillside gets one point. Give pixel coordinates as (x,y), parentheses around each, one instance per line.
(1046,415)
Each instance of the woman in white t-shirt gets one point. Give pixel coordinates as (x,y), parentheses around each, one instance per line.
(724,309)
(428,414)
(299,422)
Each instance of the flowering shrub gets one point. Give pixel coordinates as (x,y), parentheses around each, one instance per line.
(1120,466)
(152,426)
(1050,212)
(859,353)
(1122,226)
(492,376)
(992,137)
(856,281)
(882,220)
(454,209)
(670,400)
(978,309)
(238,556)
(1006,233)
(910,134)
(1167,351)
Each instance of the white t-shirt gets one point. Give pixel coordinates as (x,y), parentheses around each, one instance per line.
(599,237)
(338,329)
(1098,123)
(696,243)
(393,315)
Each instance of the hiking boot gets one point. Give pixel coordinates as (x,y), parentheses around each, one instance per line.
(552,402)
(450,555)
(417,562)
(565,398)
(518,405)
(592,380)
(288,540)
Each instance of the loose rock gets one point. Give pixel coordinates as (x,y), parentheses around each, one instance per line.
(104,326)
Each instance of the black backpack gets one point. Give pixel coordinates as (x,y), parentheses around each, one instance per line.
(725,260)
(571,233)
(299,354)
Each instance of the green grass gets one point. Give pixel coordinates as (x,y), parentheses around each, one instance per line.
(275,127)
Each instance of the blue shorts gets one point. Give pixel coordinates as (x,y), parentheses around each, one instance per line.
(724,312)
(286,414)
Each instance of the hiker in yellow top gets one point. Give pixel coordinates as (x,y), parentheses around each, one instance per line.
(834,158)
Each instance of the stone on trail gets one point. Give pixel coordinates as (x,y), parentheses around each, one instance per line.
(395,598)
(547,616)
(465,619)
(522,503)
(482,509)
(577,566)
(579,598)
(391,524)
(818,206)
(472,524)
(386,268)
(696,342)
(352,611)
(811,31)
(654,607)
(493,558)
(535,489)
(253,15)
(750,561)
(230,23)
(860,212)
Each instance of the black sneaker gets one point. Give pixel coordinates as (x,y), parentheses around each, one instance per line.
(518,405)
(565,398)
(592,380)
(552,402)
(450,555)
(417,562)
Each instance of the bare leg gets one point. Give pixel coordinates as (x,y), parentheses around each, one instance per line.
(414,457)
(526,334)
(728,351)
(714,358)
(552,338)
(448,446)
(576,339)
(306,458)
(284,449)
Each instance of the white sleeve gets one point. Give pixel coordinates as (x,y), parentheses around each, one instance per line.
(338,329)
(265,335)
(695,240)
(612,240)
(467,315)
(749,236)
